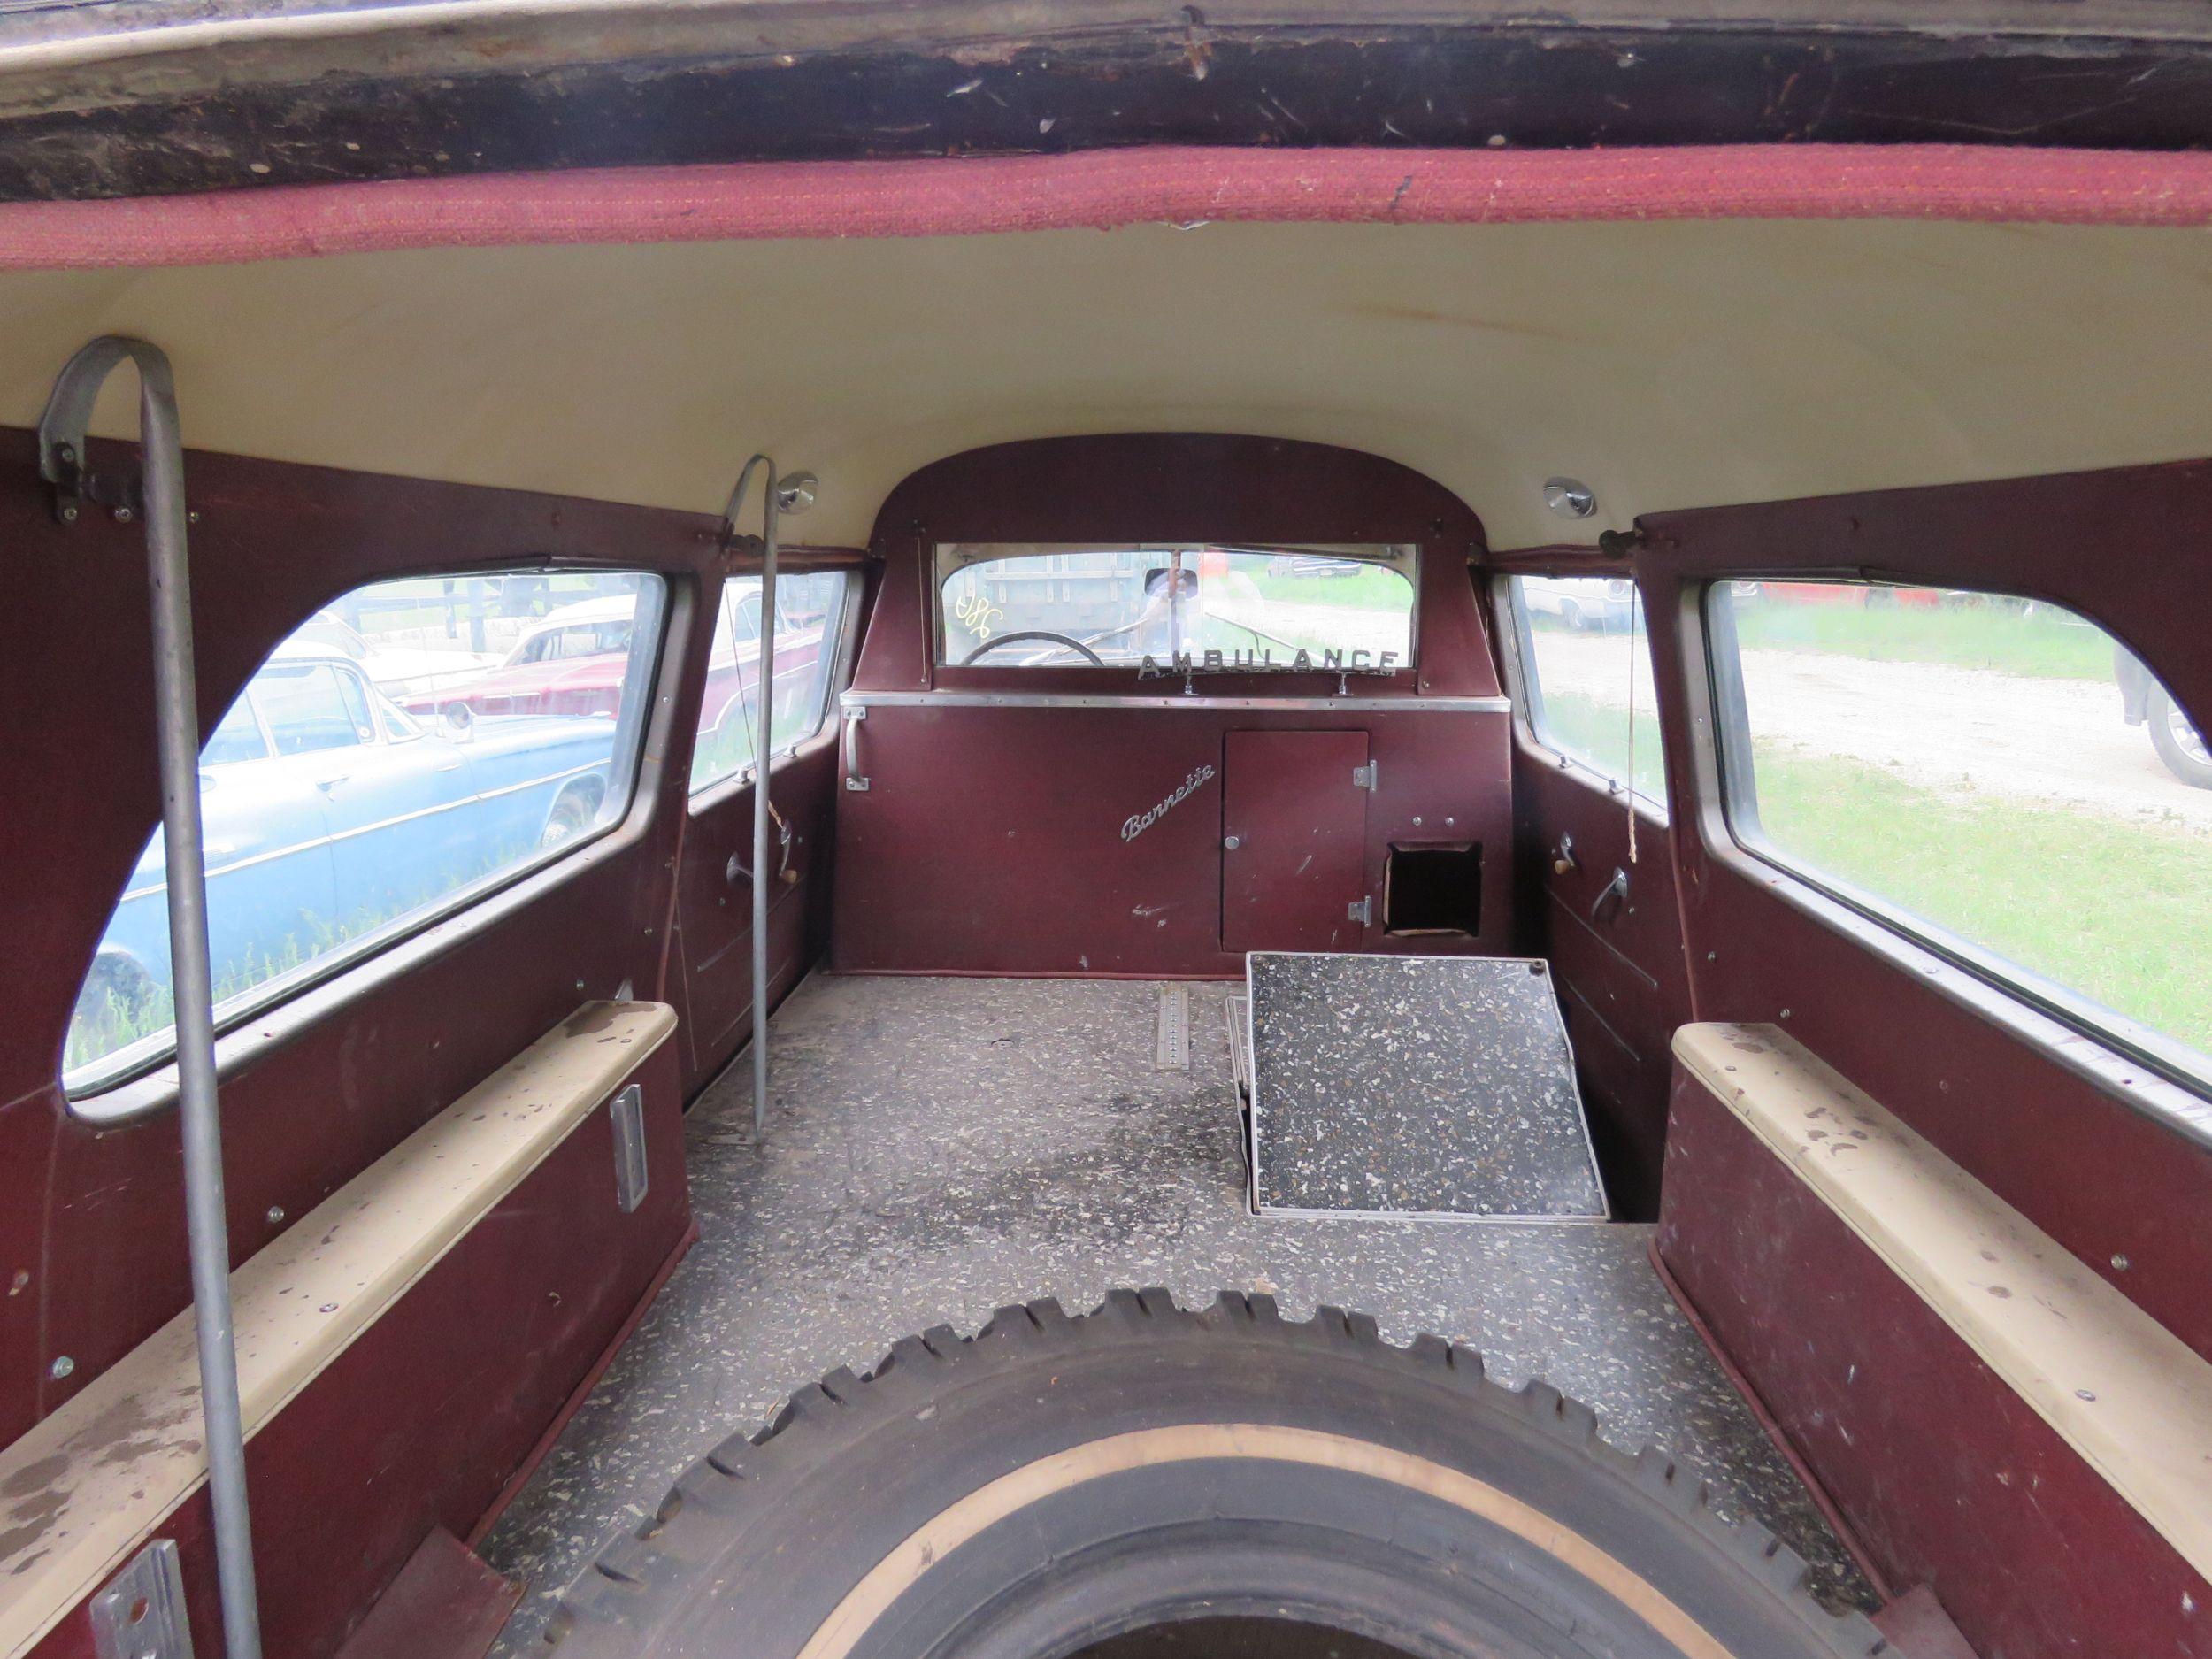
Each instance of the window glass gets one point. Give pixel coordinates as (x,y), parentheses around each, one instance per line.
(411,765)
(1995,773)
(1586,664)
(237,736)
(808,615)
(1227,609)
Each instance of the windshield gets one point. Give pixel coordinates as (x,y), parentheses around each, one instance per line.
(1242,610)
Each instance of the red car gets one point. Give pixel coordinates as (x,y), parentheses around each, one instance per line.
(573,661)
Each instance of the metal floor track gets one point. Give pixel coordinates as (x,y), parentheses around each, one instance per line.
(941,1147)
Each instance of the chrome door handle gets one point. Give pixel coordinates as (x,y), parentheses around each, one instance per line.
(854,716)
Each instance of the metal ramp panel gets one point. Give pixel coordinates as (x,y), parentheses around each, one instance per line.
(1414,1086)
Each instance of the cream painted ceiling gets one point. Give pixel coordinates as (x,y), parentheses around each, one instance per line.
(1668,364)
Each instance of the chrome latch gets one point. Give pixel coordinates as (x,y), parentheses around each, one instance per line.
(141,1614)
(630,1174)
(1361,911)
(1368,777)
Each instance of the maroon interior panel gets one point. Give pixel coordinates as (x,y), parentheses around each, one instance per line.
(445,1604)
(991,839)
(95,1216)
(2108,1181)
(1950,1478)
(1294,829)
(714,995)
(1619,968)
(1931,1460)
(1172,487)
(422,1420)
(425,1418)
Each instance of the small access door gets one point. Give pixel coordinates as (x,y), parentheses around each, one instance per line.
(1294,840)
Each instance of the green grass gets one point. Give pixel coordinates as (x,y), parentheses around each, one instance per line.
(2118,911)
(103,1022)
(1371,589)
(1978,632)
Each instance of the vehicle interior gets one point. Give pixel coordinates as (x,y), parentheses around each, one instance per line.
(1478,921)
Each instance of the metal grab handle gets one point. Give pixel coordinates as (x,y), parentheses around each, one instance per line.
(854,716)
(61,447)
(1615,896)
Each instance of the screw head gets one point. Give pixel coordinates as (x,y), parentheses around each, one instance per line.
(124,515)
(61,1367)
(2119,1263)
(276,1214)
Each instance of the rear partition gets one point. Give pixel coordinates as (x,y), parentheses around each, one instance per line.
(1129,818)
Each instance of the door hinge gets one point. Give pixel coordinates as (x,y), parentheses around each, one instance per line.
(631,1177)
(1368,777)
(141,1614)
(1361,911)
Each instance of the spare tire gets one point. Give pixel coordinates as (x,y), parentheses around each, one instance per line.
(1056,1482)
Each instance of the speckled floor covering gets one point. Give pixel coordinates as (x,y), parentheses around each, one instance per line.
(942,1147)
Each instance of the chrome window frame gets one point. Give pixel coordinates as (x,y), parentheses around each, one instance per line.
(937,569)
(1516,647)
(2151,1074)
(704,797)
(260,1025)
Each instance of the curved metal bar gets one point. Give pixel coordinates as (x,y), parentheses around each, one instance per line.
(61,440)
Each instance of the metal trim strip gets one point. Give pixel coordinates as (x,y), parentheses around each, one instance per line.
(1261,705)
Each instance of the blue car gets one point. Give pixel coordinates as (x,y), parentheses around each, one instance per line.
(331,814)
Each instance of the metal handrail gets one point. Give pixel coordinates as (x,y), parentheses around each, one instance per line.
(793,492)
(61,449)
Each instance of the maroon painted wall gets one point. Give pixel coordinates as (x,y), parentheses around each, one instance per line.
(425,1419)
(421,1422)
(1950,1478)
(990,838)
(1920,1447)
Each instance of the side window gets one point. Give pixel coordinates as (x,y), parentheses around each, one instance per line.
(307,706)
(809,614)
(1993,775)
(1586,664)
(407,771)
(237,736)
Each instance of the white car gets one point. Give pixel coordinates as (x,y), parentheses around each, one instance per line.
(1607,604)
(397,671)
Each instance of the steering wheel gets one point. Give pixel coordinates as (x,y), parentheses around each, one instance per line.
(1035,633)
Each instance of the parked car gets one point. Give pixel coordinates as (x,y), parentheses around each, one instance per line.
(574,661)
(571,662)
(331,812)
(1578,604)
(399,672)
(2144,702)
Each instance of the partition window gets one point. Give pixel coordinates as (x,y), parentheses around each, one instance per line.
(1173,607)
(810,623)
(1993,775)
(405,752)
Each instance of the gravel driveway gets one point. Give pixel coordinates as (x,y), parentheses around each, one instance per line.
(1974,731)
